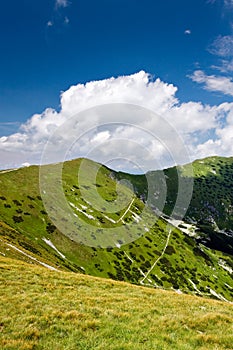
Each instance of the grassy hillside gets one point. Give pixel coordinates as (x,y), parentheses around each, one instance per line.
(42,309)
(212,199)
(211,204)
(105,230)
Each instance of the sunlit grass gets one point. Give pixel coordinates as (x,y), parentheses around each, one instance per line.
(41,309)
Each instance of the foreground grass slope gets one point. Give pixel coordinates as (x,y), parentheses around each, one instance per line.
(42,309)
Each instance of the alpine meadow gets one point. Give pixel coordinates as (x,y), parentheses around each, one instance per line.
(167,258)
(116,175)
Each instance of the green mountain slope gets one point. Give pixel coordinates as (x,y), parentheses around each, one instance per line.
(100,226)
(41,309)
(211,204)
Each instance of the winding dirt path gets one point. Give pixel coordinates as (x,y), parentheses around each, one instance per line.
(157,260)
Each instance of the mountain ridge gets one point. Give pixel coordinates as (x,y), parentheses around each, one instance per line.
(143,255)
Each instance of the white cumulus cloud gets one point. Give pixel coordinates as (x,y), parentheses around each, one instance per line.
(222,141)
(136,119)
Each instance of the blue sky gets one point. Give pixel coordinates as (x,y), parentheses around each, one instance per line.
(49,45)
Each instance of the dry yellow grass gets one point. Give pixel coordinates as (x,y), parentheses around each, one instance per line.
(41,309)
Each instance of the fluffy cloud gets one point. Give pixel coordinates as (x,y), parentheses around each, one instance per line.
(134,120)
(213,82)
(137,89)
(221,142)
